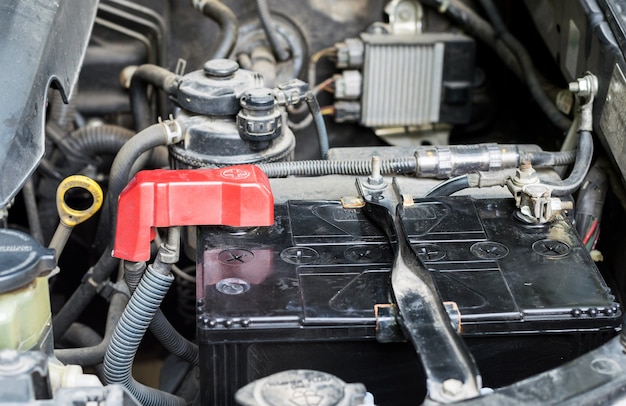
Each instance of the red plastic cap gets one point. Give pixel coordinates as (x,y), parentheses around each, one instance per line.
(238,196)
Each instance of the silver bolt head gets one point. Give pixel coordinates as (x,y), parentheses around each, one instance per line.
(525,174)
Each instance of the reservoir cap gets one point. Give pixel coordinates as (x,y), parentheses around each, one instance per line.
(22,259)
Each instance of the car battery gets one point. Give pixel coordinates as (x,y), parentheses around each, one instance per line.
(302,294)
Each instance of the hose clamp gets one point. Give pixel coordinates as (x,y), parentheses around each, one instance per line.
(173,130)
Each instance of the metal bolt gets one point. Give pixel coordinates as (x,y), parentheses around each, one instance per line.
(375,179)
(525,174)
(451,388)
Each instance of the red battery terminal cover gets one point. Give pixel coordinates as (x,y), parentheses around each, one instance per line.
(237,196)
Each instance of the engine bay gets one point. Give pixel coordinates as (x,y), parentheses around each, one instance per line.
(358,202)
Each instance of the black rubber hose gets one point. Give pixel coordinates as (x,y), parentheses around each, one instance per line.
(92,354)
(265,16)
(84,336)
(544,102)
(167,335)
(81,335)
(319,168)
(83,295)
(449,187)
(229,26)
(58,135)
(100,140)
(584,155)
(147,139)
(140,105)
(108,140)
(318,121)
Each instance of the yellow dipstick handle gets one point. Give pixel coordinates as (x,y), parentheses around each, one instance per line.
(72,217)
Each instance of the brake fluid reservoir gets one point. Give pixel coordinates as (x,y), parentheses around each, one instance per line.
(25,316)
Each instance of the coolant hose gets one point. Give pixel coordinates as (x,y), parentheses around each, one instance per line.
(137,316)
(227,20)
(265,16)
(321,168)
(145,140)
(94,353)
(167,335)
(143,76)
(318,121)
(584,156)
(449,187)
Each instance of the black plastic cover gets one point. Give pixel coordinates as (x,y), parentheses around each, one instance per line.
(41,42)
(22,259)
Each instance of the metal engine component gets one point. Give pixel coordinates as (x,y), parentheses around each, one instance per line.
(408,80)
(212,130)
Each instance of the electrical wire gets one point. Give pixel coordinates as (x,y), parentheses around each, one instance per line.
(306,121)
(315,58)
(327,110)
(591,231)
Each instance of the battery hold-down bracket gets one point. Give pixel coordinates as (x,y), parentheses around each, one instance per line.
(236,196)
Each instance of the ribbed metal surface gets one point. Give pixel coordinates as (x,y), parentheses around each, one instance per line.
(402,84)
